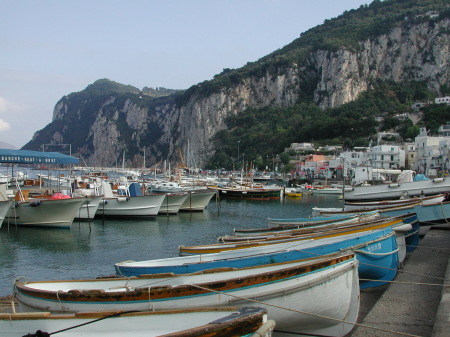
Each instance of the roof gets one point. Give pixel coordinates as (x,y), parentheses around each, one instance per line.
(35,157)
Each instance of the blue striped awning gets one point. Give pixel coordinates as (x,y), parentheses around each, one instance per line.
(35,157)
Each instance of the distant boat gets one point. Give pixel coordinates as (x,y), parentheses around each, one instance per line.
(197,200)
(135,205)
(249,193)
(262,178)
(172,202)
(313,296)
(197,197)
(326,190)
(405,185)
(203,322)
(359,205)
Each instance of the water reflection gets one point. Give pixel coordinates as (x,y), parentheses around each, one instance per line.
(89,250)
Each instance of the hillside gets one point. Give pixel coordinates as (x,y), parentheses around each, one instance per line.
(329,84)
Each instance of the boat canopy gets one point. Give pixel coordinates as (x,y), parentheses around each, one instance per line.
(35,157)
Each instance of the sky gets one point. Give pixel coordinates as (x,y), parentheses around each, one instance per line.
(51,48)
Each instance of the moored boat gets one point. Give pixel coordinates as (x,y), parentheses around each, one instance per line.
(308,233)
(351,205)
(4,207)
(54,213)
(88,208)
(197,200)
(172,202)
(313,296)
(204,322)
(249,193)
(128,206)
(304,222)
(376,251)
(405,185)
(281,224)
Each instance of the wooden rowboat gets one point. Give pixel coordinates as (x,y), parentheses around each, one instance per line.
(205,322)
(376,251)
(308,233)
(312,296)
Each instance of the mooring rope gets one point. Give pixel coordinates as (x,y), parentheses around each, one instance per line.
(302,312)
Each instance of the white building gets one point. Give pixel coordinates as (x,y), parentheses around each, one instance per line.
(444,130)
(427,152)
(387,157)
(442,100)
(355,158)
(301,147)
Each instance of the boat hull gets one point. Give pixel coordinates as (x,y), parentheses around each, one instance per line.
(395,191)
(88,208)
(301,297)
(172,203)
(140,206)
(197,201)
(4,207)
(433,213)
(58,213)
(376,252)
(205,322)
(249,194)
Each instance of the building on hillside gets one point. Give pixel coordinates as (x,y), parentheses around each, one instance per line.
(353,159)
(428,152)
(410,155)
(317,166)
(301,147)
(442,100)
(387,157)
(419,105)
(443,160)
(388,137)
(444,130)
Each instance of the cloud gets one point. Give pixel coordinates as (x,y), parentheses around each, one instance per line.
(4,126)
(3,105)
(8,106)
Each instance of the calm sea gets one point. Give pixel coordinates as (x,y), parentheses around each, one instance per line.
(89,250)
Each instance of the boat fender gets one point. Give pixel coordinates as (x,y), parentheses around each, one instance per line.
(104,202)
(393,185)
(438,180)
(123,199)
(34,203)
(402,228)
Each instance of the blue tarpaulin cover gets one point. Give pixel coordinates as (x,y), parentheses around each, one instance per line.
(420,177)
(135,190)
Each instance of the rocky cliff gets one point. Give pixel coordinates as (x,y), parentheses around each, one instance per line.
(118,122)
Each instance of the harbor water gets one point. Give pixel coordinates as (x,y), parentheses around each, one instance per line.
(90,249)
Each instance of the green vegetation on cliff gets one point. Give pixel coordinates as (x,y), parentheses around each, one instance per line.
(269,131)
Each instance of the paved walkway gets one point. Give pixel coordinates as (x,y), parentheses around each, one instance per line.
(415,304)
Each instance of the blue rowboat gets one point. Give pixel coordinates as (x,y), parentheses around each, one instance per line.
(435,213)
(376,252)
(412,236)
(308,221)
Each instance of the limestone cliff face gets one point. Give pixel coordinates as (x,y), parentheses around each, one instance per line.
(419,52)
